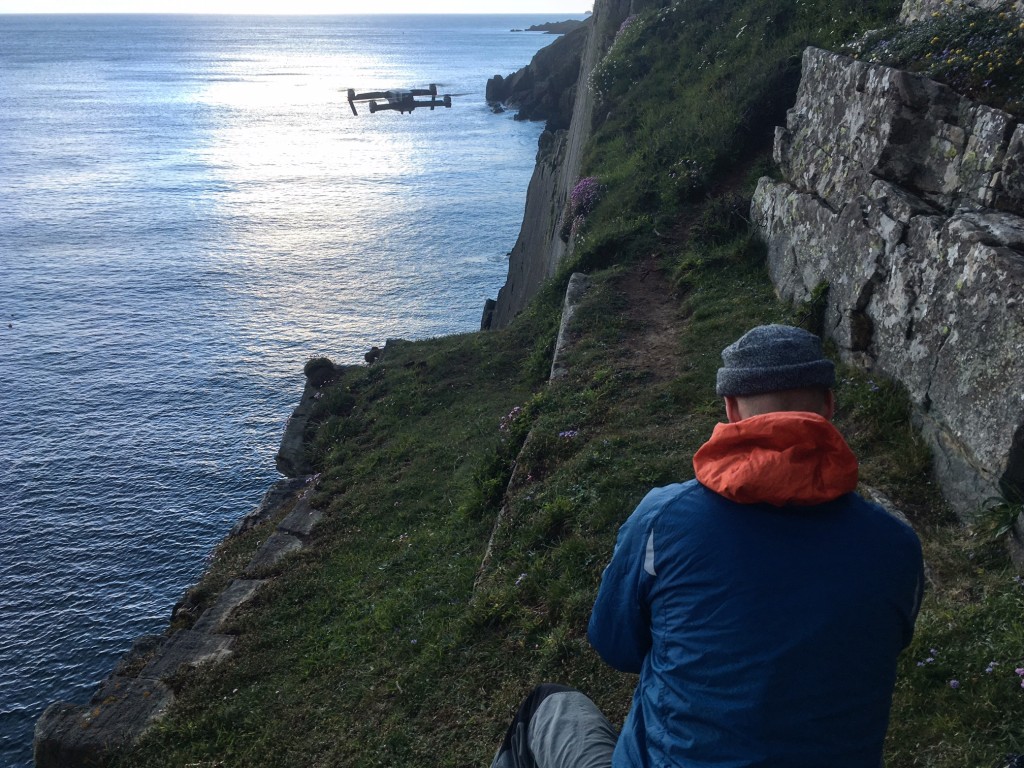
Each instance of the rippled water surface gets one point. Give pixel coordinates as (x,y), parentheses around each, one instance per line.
(188,211)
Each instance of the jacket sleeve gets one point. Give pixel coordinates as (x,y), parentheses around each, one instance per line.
(620,626)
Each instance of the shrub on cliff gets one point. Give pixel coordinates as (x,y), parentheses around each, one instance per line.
(319,370)
(582,200)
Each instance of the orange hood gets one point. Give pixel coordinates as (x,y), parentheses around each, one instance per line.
(779,458)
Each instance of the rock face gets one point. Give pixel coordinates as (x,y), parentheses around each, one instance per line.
(539,250)
(544,89)
(137,693)
(578,286)
(907,201)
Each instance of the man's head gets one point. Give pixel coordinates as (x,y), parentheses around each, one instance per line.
(776,368)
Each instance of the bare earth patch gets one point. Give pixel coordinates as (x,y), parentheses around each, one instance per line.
(654,309)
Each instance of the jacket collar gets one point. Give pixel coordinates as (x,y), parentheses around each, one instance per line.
(783,458)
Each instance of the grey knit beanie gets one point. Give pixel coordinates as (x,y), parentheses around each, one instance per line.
(771,358)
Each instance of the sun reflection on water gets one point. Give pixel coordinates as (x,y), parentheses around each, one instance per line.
(320,198)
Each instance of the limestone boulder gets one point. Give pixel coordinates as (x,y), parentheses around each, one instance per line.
(854,123)
(904,199)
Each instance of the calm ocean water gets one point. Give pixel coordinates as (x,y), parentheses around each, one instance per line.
(188,211)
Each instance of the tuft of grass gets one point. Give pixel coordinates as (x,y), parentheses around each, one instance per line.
(960,689)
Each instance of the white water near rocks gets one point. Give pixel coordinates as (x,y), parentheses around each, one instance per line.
(188,211)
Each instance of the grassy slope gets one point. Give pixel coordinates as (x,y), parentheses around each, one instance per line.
(374,647)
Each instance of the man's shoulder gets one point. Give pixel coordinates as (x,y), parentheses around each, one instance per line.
(674,504)
(887,520)
(665,497)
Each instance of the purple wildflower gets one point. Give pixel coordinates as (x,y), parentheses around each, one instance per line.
(506,421)
(584,196)
(954,684)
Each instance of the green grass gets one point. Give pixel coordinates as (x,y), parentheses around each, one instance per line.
(385,643)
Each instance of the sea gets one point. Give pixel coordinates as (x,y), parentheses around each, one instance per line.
(189,211)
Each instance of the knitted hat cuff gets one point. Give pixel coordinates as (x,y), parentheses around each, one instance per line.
(738,382)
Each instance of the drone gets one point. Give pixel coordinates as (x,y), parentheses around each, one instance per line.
(401,101)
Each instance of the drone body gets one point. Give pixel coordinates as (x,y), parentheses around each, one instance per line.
(400,101)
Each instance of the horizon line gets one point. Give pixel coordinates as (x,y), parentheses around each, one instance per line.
(308,13)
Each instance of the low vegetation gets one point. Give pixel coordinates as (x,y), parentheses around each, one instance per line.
(979,53)
(387,643)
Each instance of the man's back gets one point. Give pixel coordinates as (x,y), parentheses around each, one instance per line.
(764,604)
(765,635)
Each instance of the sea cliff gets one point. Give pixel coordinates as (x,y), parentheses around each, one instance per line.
(442,555)
(539,249)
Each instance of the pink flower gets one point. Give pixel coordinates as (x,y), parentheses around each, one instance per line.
(584,196)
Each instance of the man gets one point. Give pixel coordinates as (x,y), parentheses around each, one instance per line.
(763,604)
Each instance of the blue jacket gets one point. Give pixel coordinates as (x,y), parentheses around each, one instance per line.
(765,633)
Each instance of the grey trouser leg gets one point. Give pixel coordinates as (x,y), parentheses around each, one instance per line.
(557,727)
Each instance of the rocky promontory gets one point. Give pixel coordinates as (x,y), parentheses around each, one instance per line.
(545,88)
(554,27)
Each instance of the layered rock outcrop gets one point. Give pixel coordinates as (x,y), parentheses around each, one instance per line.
(138,692)
(906,201)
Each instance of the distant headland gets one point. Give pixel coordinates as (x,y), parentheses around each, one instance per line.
(554,27)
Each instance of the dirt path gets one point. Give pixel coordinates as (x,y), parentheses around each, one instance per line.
(655,310)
